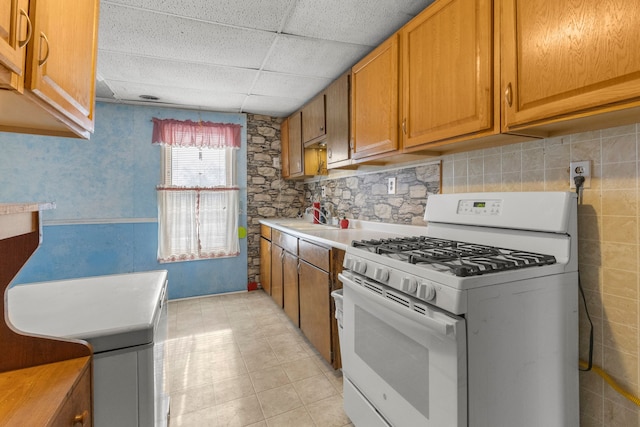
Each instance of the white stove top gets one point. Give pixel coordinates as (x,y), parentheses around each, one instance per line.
(474,240)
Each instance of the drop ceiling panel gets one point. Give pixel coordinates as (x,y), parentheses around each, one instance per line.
(255,56)
(260,14)
(297,87)
(313,57)
(367,22)
(271,105)
(151,34)
(191,98)
(168,73)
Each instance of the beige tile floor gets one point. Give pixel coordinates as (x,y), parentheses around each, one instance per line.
(237,360)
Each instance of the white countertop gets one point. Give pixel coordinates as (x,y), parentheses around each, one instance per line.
(342,238)
(110,312)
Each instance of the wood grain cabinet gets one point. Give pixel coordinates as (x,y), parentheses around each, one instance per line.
(265,258)
(284,148)
(303,275)
(448,74)
(315,297)
(15,32)
(53,93)
(302,162)
(374,102)
(284,273)
(565,62)
(313,120)
(337,117)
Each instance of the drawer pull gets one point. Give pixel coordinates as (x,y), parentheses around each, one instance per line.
(80,419)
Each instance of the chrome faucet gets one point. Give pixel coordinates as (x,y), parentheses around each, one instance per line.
(322,214)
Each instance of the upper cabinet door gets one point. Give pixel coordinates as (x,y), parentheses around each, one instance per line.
(296,159)
(63,57)
(447,66)
(563,58)
(374,101)
(337,99)
(15,31)
(313,119)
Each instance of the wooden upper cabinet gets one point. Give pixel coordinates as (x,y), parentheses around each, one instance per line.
(296,159)
(313,120)
(15,32)
(63,59)
(337,115)
(374,101)
(562,60)
(284,148)
(447,66)
(54,91)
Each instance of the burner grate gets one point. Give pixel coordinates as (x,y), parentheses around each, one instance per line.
(460,258)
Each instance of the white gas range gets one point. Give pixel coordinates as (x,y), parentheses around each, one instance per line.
(473,324)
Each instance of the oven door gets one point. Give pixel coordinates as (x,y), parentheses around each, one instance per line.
(407,358)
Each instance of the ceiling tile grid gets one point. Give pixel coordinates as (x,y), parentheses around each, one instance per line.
(255,56)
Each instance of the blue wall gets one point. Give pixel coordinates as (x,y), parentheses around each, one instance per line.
(105,221)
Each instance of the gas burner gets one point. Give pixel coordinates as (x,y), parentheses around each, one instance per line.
(459,258)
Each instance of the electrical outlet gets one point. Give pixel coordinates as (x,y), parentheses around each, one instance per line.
(323,190)
(580,168)
(391,186)
(276,162)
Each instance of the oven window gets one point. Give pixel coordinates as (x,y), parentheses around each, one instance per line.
(399,360)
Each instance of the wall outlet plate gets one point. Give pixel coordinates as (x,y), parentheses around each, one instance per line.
(580,168)
(391,185)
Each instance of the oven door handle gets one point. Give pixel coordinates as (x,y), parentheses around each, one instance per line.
(438,326)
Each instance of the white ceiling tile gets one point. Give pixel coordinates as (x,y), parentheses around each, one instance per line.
(260,14)
(162,72)
(156,35)
(193,98)
(367,22)
(270,105)
(297,87)
(312,57)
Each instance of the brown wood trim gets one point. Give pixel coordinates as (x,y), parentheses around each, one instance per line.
(21,350)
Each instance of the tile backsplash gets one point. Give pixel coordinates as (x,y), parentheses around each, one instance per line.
(608,244)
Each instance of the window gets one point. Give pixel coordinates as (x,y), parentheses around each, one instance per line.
(198,198)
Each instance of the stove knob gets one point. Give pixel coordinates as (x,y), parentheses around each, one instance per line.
(381,274)
(359,266)
(409,285)
(348,263)
(427,291)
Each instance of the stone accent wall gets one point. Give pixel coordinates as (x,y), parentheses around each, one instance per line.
(365,197)
(361,196)
(268,195)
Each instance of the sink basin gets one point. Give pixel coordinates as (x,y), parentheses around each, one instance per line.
(302,225)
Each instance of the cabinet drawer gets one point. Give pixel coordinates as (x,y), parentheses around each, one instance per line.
(265,231)
(285,241)
(314,254)
(76,411)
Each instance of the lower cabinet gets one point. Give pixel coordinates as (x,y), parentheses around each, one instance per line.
(302,276)
(276,274)
(315,308)
(265,264)
(290,287)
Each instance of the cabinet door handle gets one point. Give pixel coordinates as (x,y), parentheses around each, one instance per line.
(298,267)
(79,420)
(44,38)
(404,125)
(24,42)
(508,96)
(329,153)
(321,128)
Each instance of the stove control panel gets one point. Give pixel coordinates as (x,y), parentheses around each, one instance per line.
(479,207)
